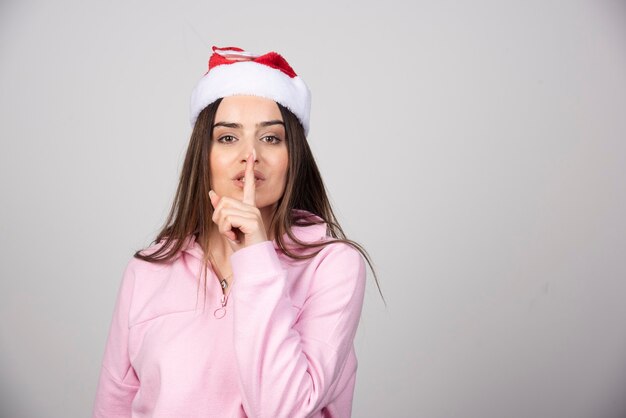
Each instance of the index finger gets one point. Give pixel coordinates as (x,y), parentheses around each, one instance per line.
(249,188)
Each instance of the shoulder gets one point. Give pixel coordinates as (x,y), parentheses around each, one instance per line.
(159,248)
(312,229)
(341,256)
(338,269)
(308,227)
(338,277)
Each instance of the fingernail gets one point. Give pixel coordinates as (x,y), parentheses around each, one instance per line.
(253,154)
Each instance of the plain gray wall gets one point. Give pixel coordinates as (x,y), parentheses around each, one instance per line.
(475,148)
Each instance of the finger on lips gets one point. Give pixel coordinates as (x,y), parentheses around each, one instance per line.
(249,183)
(234,216)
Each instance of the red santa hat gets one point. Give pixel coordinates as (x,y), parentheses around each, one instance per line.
(233,71)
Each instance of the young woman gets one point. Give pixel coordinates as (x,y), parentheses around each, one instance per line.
(252,225)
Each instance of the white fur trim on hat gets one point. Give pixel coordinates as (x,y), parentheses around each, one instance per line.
(254,79)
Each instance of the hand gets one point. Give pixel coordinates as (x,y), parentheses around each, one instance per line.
(240,220)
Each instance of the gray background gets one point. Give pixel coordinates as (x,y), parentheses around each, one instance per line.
(475,148)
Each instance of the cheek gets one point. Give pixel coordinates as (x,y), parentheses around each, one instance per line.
(220,177)
(218,164)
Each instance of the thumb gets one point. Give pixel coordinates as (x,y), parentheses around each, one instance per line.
(214,198)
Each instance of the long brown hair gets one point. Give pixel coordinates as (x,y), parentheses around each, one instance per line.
(191,209)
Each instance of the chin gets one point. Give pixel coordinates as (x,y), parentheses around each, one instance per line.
(264,204)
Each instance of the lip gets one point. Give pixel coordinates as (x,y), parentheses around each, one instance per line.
(240,184)
(259,179)
(257,174)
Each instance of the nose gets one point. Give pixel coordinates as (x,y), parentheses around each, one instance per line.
(247,150)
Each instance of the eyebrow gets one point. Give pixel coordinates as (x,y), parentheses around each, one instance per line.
(234,125)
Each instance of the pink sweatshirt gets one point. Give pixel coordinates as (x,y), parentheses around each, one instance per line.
(283,349)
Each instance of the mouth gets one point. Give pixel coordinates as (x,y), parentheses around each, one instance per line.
(241,182)
(242,174)
(240,178)
(243,179)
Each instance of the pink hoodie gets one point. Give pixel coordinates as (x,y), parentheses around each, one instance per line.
(283,349)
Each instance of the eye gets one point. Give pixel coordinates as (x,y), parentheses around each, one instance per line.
(271,139)
(226,139)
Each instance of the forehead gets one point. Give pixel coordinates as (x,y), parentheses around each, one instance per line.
(247,109)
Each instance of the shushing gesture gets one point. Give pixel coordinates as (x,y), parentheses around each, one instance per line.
(240,220)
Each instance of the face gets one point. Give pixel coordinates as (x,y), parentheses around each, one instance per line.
(241,124)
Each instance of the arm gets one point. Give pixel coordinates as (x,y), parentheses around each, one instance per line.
(118,383)
(289,363)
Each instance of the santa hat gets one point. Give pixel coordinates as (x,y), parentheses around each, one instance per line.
(233,71)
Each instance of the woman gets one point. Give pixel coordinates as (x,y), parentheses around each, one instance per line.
(251,222)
